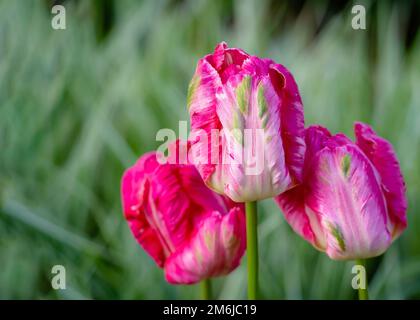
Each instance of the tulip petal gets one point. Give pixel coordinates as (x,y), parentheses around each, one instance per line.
(207,140)
(292,202)
(249,106)
(215,249)
(134,188)
(204,119)
(168,207)
(343,191)
(269,114)
(178,200)
(292,119)
(226,61)
(383,157)
(316,138)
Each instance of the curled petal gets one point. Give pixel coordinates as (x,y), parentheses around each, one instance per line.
(292,204)
(383,157)
(178,200)
(226,61)
(214,250)
(316,138)
(169,207)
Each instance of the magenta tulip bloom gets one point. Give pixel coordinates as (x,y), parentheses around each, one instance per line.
(352,202)
(190,231)
(247,125)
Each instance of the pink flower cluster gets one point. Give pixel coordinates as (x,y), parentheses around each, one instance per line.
(345,198)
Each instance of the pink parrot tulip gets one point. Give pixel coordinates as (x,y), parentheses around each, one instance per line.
(352,201)
(247,125)
(190,231)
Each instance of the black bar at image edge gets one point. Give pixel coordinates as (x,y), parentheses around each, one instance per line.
(211,309)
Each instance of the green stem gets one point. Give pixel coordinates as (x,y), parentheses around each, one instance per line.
(252,248)
(363,293)
(205,289)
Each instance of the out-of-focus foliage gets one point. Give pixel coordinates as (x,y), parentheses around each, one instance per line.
(77,108)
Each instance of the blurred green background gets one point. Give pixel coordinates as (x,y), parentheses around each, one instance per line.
(78,106)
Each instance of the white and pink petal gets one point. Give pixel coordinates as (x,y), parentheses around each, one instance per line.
(381,153)
(343,191)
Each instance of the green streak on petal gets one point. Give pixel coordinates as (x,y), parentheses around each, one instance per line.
(265,121)
(262,102)
(232,244)
(231,241)
(242,94)
(198,255)
(195,82)
(208,240)
(338,235)
(237,134)
(345,165)
(237,127)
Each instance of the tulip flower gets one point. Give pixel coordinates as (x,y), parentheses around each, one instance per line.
(351,203)
(247,132)
(255,107)
(190,231)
